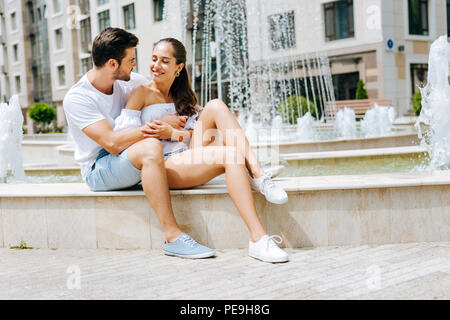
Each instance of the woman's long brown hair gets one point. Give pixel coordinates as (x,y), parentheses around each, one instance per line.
(181,91)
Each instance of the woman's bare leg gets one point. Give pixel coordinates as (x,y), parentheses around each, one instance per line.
(147,156)
(216,115)
(199,165)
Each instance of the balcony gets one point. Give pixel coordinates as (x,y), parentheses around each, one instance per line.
(31,29)
(32,62)
(36,96)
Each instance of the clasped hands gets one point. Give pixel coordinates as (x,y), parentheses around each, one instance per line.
(166,128)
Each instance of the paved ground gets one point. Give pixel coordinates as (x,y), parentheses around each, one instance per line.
(401,271)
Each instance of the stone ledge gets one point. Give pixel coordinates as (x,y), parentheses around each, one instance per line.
(353,153)
(322,211)
(217,186)
(402,134)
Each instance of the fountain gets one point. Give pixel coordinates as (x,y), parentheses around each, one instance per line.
(345,123)
(305,127)
(434,120)
(234,67)
(11,121)
(377,121)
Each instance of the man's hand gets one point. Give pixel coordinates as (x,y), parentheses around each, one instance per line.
(177,122)
(158,129)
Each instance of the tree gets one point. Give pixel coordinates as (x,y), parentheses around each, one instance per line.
(361,92)
(43,115)
(291,106)
(417,103)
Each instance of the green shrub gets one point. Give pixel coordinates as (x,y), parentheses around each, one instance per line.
(361,92)
(417,103)
(43,115)
(291,106)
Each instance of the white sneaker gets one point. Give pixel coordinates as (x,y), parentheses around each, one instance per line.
(273,171)
(269,189)
(267,250)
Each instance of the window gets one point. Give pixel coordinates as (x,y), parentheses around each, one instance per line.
(158,10)
(345,85)
(31,12)
(57,6)
(128,16)
(61,76)
(282,30)
(86,65)
(102,2)
(418,17)
(84,6)
(103,20)
(339,23)
(448,18)
(35,76)
(16,52)
(136,69)
(419,75)
(18,86)
(34,47)
(59,39)
(85,35)
(13,21)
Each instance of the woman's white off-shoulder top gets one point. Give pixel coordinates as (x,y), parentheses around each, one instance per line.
(130,119)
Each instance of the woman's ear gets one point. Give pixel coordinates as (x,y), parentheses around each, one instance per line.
(180,67)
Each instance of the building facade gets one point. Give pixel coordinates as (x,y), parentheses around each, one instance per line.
(385,43)
(46,45)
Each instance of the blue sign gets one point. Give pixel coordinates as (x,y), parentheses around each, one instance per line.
(390,44)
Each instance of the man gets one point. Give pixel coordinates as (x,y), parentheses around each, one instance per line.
(112,160)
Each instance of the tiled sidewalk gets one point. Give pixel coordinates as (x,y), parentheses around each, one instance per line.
(399,271)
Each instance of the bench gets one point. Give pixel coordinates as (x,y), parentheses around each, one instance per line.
(359,106)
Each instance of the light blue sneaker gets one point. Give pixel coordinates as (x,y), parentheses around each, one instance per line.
(186,247)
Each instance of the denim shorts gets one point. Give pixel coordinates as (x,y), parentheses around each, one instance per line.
(171,153)
(110,172)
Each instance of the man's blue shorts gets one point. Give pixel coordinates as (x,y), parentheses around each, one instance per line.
(112,172)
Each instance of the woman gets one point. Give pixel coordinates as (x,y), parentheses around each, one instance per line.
(193,164)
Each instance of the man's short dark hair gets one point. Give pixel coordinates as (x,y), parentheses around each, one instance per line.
(111,43)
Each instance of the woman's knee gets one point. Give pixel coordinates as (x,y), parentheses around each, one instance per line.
(216,105)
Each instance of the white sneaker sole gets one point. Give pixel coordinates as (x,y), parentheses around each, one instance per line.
(280,260)
(278,202)
(191,256)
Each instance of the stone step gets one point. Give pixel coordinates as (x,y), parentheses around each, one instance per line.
(322,211)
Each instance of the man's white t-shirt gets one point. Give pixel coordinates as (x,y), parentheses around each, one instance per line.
(85,105)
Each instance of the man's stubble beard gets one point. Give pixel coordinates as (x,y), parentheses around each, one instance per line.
(122,75)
